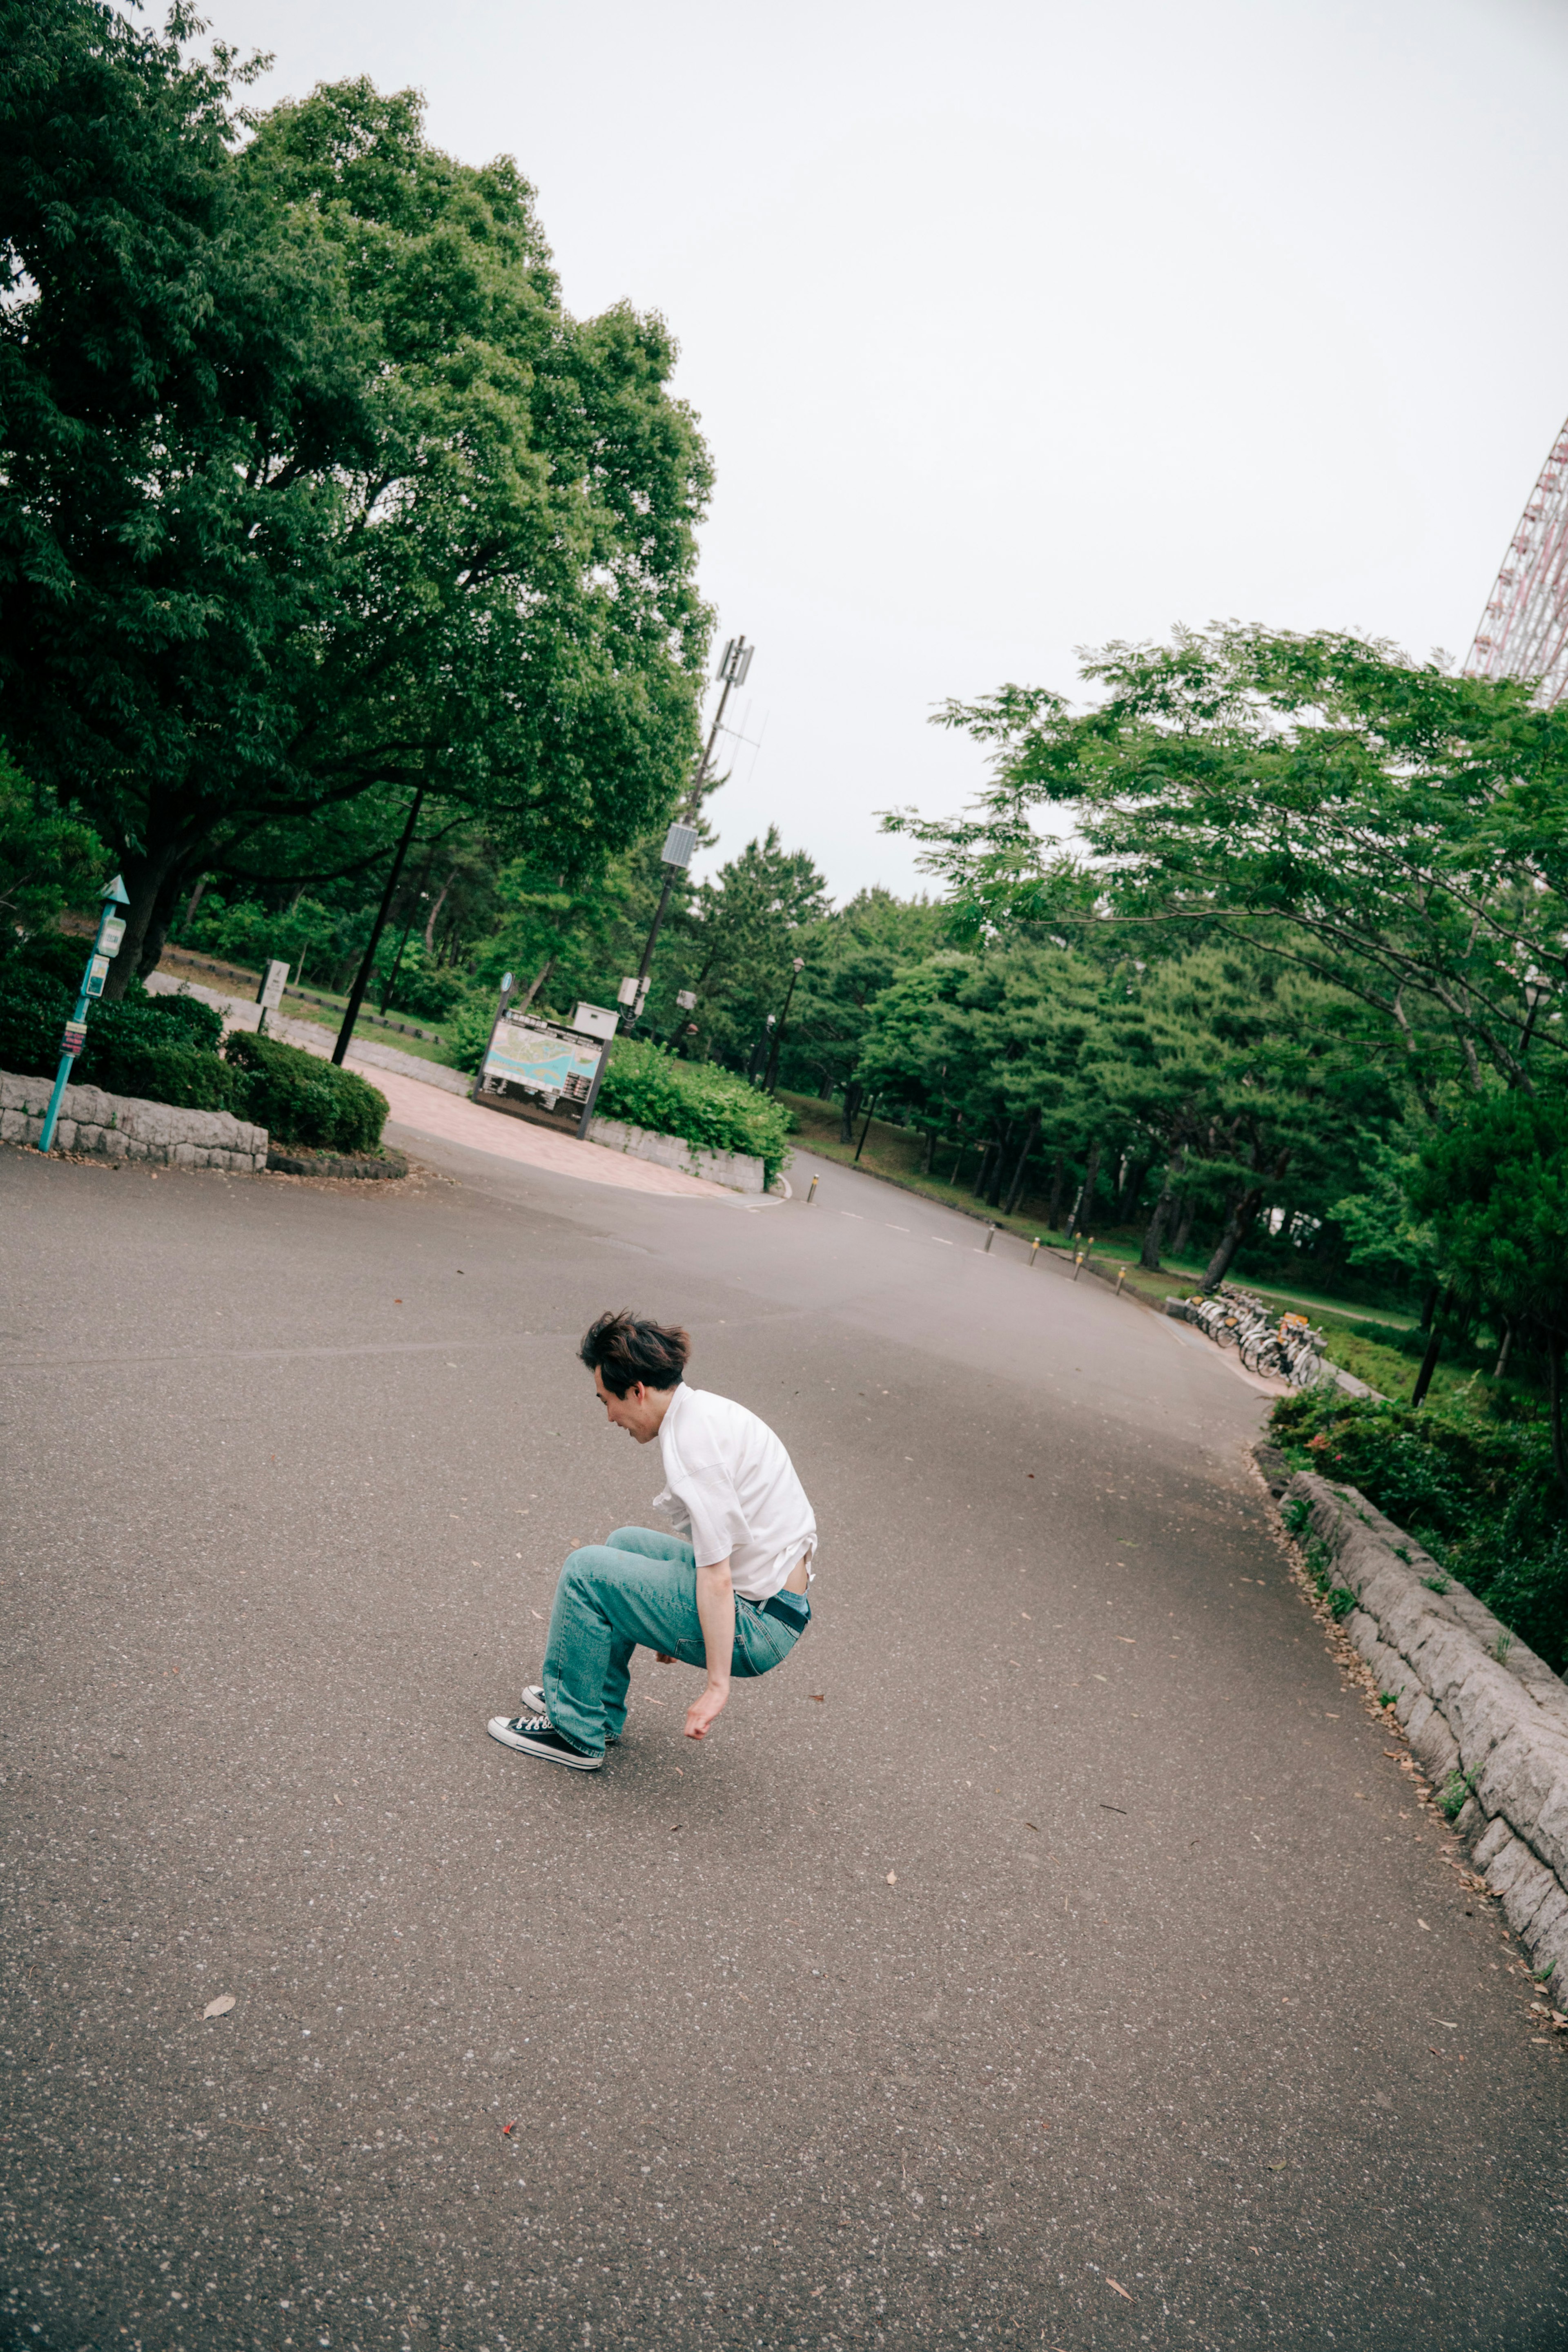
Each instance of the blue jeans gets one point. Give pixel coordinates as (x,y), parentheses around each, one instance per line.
(640,1587)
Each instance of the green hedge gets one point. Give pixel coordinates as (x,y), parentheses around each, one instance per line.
(301,1099)
(646,1087)
(1481,1498)
(165,1049)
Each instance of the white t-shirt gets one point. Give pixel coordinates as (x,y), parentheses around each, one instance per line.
(731,1489)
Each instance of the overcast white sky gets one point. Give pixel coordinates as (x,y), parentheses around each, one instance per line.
(1014,328)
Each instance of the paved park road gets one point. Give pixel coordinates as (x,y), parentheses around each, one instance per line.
(1048,1955)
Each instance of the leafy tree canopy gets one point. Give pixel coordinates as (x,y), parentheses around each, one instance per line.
(1398,832)
(311,488)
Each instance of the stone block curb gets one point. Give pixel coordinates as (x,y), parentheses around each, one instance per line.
(1473,1698)
(123,1127)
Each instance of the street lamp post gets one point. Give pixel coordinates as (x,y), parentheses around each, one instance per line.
(681,839)
(106,944)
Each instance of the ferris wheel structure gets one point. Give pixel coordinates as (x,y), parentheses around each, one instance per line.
(1523,631)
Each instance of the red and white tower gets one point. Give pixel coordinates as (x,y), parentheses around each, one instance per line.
(1523,631)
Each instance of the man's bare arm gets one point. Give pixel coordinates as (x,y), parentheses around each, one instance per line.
(715,1611)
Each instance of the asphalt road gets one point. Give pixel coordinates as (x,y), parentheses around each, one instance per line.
(1048,1954)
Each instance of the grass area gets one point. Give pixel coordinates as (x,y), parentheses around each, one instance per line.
(365,1034)
(208,973)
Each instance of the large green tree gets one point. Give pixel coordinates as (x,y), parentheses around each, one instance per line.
(1398,832)
(313,492)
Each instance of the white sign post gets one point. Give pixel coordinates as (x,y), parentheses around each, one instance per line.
(269,995)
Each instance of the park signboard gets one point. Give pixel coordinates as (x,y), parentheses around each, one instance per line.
(544,1059)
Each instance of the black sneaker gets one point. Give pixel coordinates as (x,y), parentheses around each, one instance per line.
(535,1734)
(534,1704)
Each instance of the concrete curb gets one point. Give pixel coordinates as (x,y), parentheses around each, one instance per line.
(299,1160)
(124,1127)
(1473,1699)
(735,1170)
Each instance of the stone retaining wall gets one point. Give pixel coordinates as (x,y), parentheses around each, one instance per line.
(735,1168)
(121,1126)
(1473,1699)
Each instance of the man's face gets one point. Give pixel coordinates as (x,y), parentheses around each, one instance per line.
(638,1413)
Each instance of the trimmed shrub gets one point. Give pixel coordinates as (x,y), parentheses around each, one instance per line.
(34,1009)
(1483,1499)
(158,1048)
(301,1099)
(645,1086)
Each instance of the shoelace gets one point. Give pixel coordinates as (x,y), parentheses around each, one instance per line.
(536,1723)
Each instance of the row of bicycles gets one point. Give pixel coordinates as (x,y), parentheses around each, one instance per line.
(1283,1348)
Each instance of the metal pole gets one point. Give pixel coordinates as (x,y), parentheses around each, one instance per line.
(114,897)
(506,985)
(362,977)
(866,1129)
(689,808)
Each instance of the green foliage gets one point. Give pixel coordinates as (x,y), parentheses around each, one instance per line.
(645,1086)
(1392,828)
(1495,1186)
(1456,1795)
(156,1048)
(48,861)
(301,1099)
(312,494)
(1482,1498)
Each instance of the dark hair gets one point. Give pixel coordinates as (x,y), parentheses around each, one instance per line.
(625,1348)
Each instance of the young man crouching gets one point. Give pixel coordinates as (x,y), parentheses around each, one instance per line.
(726,1591)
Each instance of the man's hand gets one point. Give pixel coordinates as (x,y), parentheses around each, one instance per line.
(715,1611)
(706,1709)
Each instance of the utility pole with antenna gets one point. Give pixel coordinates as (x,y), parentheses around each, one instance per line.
(681,839)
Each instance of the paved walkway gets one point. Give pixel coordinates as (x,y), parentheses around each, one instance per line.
(423,1102)
(1051,1954)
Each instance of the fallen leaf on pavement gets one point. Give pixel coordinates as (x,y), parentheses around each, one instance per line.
(819,1696)
(508,2129)
(1421,1923)
(893,1878)
(1032,1825)
(1121,2289)
(220,2006)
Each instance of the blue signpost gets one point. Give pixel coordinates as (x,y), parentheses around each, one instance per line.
(111,932)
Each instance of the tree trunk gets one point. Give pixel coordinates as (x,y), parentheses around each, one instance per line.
(194,901)
(1083,1207)
(1236,1225)
(153,881)
(1433,1293)
(852,1094)
(1429,1361)
(434,912)
(1501,1365)
(1149,1255)
(930,1151)
(1031,1129)
(1132,1188)
(540,978)
(982,1173)
(1183,1230)
(994,1185)
(1554,1383)
(1058,1183)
